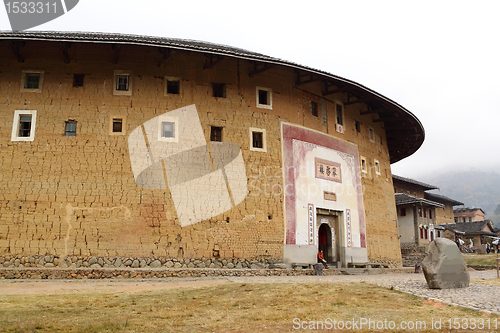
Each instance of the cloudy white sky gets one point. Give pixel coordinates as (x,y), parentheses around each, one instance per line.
(438,59)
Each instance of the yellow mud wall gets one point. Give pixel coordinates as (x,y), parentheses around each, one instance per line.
(77,195)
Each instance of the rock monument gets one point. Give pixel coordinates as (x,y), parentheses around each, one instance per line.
(444,267)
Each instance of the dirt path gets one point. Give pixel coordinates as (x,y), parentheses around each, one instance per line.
(50,287)
(29,287)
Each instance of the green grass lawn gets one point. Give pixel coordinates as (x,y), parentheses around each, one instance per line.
(480,259)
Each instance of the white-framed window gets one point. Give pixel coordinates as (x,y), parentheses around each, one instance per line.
(122,83)
(371,134)
(23,127)
(264,98)
(117,125)
(168,129)
(376,163)
(258,140)
(172,85)
(32,80)
(364,167)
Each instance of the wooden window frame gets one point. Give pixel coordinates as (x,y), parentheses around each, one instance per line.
(24,77)
(120,92)
(16,125)
(269,94)
(264,139)
(111,123)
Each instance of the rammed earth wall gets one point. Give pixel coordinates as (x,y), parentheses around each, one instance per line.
(69,197)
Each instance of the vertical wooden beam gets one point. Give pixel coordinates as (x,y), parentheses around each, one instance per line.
(116,53)
(14,47)
(166,55)
(64,46)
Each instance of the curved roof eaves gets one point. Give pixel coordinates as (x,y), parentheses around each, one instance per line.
(396,152)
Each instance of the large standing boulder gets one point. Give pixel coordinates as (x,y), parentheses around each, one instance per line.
(444,267)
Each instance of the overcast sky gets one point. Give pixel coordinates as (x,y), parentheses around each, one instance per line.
(438,59)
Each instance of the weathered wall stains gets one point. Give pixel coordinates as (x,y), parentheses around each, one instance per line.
(74,227)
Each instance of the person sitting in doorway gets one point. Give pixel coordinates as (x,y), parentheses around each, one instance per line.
(321,259)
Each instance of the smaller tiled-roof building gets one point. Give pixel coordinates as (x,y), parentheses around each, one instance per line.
(462,215)
(446,215)
(419,212)
(475,231)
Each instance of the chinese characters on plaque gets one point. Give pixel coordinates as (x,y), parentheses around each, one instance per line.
(328,170)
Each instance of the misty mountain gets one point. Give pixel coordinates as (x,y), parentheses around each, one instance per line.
(474,188)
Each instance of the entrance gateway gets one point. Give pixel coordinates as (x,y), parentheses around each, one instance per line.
(330,236)
(323,199)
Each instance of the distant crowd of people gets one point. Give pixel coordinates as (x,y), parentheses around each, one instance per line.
(492,247)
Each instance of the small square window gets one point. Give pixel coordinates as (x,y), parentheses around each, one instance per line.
(78,80)
(122,83)
(23,126)
(219,90)
(117,125)
(264,98)
(314,108)
(167,129)
(32,81)
(70,128)
(339,108)
(173,86)
(215,133)
(358,126)
(258,139)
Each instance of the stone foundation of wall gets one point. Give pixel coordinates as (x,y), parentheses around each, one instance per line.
(158,273)
(407,248)
(50,261)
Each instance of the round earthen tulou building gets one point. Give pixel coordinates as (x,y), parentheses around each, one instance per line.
(143,147)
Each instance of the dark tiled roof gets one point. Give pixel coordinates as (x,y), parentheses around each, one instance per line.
(467,210)
(442,199)
(407,199)
(424,186)
(402,140)
(471,228)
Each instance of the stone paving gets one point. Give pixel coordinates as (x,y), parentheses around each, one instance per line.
(477,296)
